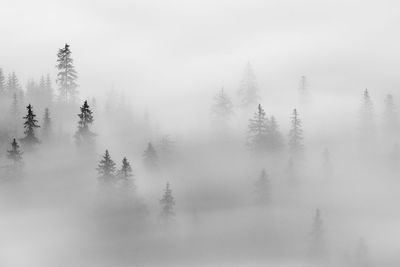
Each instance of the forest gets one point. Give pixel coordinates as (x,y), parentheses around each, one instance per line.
(90,183)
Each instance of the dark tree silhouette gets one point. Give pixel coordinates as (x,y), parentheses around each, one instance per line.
(221,111)
(83,135)
(66,76)
(150,157)
(30,125)
(125,175)
(47,125)
(106,169)
(248,87)
(295,133)
(14,154)
(258,131)
(317,246)
(167,204)
(262,189)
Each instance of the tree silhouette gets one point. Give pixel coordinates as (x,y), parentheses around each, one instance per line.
(106,169)
(221,111)
(83,135)
(317,246)
(367,124)
(46,126)
(14,154)
(30,125)
(262,188)
(66,76)
(248,87)
(125,175)
(167,204)
(150,157)
(258,131)
(275,140)
(295,133)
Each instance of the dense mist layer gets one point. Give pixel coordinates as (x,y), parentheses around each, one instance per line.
(213,133)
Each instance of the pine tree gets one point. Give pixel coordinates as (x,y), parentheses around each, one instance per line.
(222,110)
(2,83)
(274,136)
(167,204)
(390,116)
(106,169)
(46,128)
(13,85)
(248,88)
(15,153)
(67,76)
(367,125)
(295,133)
(83,135)
(258,131)
(125,175)
(150,157)
(262,188)
(30,125)
(317,246)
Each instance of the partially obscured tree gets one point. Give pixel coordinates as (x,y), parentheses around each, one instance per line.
(15,154)
(167,204)
(275,139)
(106,169)
(47,125)
(248,91)
(317,244)
(258,131)
(221,111)
(125,175)
(295,133)
(30,125)
(367,124)
(150,157)
(84,136)
(262,188)
(2,83)
(66,76)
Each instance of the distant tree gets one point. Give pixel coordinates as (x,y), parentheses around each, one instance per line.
(167,204)
(150,157)
(262,188)
(258,131)
(13,85)
(106,169)
(2,83)
(15,114)
(367,124)
(390,116)
(48,90)
(47,125)
(317,246)
(221,111)
(67,76)
(275,140)
(248,88)
(83,135)
(15,154)
(295,133)
(30,125)
(125,175)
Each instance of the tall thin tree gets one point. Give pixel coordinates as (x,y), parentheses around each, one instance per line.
(295,133)
(66,76)
(30,125)
(84,136)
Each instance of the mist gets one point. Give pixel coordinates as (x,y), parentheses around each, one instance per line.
(186,133)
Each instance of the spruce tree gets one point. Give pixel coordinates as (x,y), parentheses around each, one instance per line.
(2,83)
(15,154)
(167,204)
(248,88)
(83,135)
(150,157)
(258,131)
(262,189)
(317,246)
(66,76)
(46,127)
(30,125)
(13,85)
(106,169)
(125,175)
(275,139)
(295,133)
(222,111)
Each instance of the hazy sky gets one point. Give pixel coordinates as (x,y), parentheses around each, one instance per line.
(167,48)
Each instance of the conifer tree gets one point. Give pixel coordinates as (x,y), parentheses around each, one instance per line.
(367,124)
(274,135)
(125,175)
(13,85)
(258,131)
(295,133)
(390,116)
(30,125)
(47,125)
(248,88)
(222,110)
(15,154)
(106,169)
(167,204)
(2,83)
(150,157)
(15,115)
(262,188)
(67,76)
(317,246)
(83,135)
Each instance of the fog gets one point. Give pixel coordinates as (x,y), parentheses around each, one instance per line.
(187,133)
